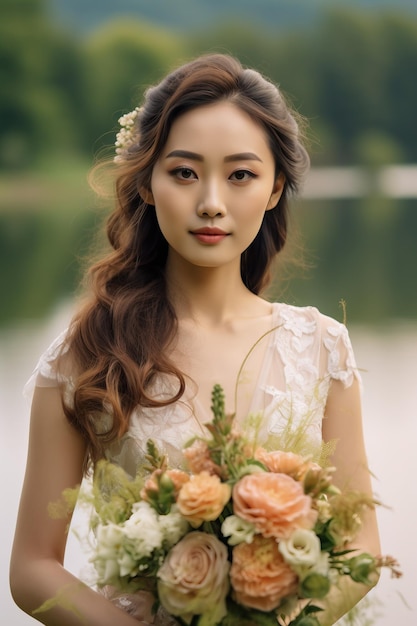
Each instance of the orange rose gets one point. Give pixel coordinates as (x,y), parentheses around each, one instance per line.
(178,477)
(274,503)
(282,462)
(259,575)
(203,498)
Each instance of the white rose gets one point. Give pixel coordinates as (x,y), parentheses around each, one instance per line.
(143,531)
(238,530)
(302,549)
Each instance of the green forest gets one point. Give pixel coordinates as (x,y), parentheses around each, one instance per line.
(270,15)
(348,69)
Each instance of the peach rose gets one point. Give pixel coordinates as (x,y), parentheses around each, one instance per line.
(274,503)
(203,498)
(178,477)
(259,575)
(198,458)
(193,579)
(282,462)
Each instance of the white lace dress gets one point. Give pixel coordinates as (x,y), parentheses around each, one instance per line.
(305,351)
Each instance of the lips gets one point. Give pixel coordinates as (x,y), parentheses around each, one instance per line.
(208,230)
(209,235)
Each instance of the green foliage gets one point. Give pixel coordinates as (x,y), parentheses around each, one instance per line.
(39,86)
(273,15)
(45,229)
(398,97)
(376,148)
(122,60)
(361,73)
(350,74)
(114,492)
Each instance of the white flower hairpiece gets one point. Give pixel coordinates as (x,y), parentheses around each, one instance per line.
(126,136)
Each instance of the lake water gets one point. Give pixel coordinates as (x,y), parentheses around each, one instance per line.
(388,358)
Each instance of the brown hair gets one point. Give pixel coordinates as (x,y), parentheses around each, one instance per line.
(118,340)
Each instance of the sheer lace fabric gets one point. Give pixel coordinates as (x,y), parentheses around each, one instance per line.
(305,351)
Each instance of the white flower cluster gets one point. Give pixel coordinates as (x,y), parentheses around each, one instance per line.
(125,137)
(127,549)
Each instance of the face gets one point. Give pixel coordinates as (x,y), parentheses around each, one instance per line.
(212,184)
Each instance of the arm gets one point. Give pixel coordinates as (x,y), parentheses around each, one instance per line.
(55,460)
(343,423)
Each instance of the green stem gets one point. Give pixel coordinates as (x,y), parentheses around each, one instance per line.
(271,330)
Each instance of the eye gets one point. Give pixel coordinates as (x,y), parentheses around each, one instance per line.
(183,173)
(242,176)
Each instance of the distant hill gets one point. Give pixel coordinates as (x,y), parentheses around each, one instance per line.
(183,15)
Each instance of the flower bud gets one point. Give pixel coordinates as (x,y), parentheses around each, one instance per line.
(315,586)
(165,483)
(311,480)
(362,568)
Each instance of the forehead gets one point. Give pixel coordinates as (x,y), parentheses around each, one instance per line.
(219,126)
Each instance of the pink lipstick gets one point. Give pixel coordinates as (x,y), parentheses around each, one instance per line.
(208,235)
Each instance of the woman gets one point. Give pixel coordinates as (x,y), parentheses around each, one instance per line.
(203,176)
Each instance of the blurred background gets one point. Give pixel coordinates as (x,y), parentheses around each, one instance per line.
(70,68)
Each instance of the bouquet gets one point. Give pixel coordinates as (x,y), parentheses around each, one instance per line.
(240,536)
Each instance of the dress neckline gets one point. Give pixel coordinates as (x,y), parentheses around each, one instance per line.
(201,415)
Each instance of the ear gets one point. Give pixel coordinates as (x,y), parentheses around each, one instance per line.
(146,195)
(276,192)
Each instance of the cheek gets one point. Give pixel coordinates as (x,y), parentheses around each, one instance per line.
(166,221)
(250,222)
(165,212)
(161,196)
(170,200)
(252,210)
(255,199)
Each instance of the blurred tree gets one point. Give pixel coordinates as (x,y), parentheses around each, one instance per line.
(270,15)
(250,44)
(39,84)
(398,97)
(374,149)
(123,59)
(348,76)
(352,77)
(362,68)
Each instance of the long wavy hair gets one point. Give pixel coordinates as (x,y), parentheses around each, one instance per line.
(118,341)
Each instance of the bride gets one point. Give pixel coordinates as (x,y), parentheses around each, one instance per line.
(203,176)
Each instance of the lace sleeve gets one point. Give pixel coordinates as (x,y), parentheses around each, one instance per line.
(340,360)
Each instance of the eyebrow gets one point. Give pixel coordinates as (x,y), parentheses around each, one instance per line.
(239,156)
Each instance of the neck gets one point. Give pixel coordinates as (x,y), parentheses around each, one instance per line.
(211,296)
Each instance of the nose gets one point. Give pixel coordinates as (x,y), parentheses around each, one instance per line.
(211,203)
